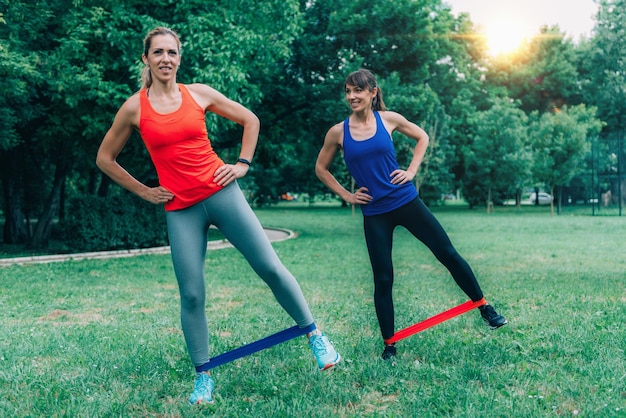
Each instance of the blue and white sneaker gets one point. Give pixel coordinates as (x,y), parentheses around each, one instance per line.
(203,390)
(323,351)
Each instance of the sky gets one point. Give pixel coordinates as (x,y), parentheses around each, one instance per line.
(506,22)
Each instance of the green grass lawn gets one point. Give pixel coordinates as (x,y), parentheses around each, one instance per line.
(102,338)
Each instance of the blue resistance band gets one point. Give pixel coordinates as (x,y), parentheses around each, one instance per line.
(253,347)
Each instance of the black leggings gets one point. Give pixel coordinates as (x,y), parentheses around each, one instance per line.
(420,222)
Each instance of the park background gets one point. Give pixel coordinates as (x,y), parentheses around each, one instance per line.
(548,116)
(102,337)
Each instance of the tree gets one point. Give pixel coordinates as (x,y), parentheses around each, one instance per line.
(560,143)
(421,104)
(72,63)
(19,107)
(542,75)
(602,61)
(499,157)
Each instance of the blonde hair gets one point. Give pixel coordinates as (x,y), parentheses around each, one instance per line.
(146,75)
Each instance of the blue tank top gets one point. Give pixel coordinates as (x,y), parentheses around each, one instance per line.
(371,162)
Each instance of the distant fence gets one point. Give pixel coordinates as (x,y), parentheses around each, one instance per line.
(608,177)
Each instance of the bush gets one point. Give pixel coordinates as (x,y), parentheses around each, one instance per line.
(122,222)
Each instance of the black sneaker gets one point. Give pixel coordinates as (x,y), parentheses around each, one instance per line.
(491,317)
(389,352)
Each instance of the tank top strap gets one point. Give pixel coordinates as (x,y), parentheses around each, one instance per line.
(144,104)
(184,92)
(379,122)
(346,129)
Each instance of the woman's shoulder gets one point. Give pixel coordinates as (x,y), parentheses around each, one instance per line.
(336,130)
(128,113)
(392,119)
(204,94)
(200,88)
(131,104)
(390,115)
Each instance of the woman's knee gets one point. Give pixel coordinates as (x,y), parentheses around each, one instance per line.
(277,278)
(447,254)
(383,284)
(191,299)
(270,269)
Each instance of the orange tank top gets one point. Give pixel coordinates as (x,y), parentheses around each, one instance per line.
(181,151)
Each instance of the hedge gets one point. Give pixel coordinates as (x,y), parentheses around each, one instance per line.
(121,222)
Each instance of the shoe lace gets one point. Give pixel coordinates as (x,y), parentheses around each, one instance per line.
(201,381)
(489,312)
(319,346)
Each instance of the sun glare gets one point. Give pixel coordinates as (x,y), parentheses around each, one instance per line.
(504,37)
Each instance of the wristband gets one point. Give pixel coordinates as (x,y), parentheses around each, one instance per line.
(243,160)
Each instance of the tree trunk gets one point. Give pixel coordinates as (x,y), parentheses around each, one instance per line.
(41,236)
(536,196)
(15,231)
(105,182)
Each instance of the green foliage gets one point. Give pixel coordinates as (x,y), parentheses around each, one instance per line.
(421,104)
(17,75)
(120,222)
(561,141)
(498,160)
(602,65)
(543,76)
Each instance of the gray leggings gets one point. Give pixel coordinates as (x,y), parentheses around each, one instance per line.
(229,211)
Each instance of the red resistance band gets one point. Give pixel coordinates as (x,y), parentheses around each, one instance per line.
(434,320)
